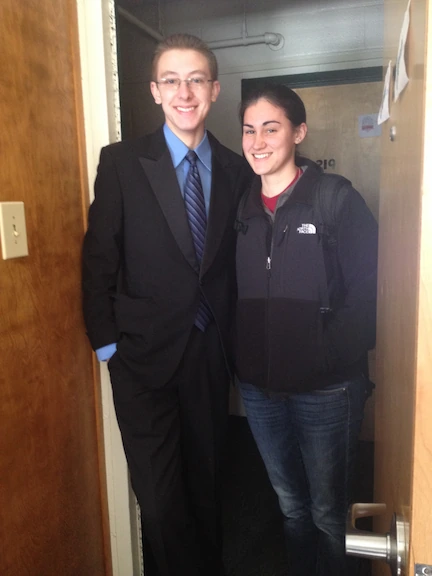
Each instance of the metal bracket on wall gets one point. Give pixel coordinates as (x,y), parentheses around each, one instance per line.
(423,570)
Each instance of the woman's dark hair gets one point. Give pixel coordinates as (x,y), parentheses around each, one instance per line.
(279,95)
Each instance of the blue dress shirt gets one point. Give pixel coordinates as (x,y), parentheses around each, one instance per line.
(178,151)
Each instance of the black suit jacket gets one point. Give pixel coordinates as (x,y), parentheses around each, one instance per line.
(141,278)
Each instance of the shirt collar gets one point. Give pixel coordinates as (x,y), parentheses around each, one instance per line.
(178,149)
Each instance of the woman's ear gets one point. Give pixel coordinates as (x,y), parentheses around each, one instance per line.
(301,132)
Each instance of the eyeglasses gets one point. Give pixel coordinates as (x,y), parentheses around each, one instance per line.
(196,83)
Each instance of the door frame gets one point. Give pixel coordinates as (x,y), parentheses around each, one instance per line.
(314,79)
(98,62)
(97,31)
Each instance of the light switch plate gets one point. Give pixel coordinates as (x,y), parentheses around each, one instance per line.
(13,231)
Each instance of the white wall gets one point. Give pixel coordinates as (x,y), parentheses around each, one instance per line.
(319,35)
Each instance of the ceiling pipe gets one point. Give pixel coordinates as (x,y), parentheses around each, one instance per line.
(273,41)
(133,20)
(276,41)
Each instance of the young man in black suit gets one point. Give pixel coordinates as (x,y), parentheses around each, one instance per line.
(158,306)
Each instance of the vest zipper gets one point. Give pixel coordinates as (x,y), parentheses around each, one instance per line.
(270,256)
(269,271)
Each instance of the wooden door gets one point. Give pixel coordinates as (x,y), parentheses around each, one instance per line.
(334,114)
(52,503)
(403,429)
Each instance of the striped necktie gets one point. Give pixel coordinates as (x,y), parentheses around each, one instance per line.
(196,212)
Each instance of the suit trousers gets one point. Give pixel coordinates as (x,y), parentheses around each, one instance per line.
(173,438)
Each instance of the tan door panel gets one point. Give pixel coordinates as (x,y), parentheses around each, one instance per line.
(333,134)
(403,458)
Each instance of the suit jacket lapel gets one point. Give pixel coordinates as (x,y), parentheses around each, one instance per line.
(163,180)
(157,165)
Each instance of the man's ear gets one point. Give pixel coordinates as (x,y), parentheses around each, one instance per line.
(215,90)
(155,92)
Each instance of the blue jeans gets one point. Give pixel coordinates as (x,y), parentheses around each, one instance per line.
(308,444)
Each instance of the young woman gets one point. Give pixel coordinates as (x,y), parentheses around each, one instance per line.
(306,271)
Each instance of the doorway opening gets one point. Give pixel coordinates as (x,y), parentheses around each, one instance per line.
(253,507)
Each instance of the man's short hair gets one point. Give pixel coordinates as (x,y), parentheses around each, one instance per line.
(185,42)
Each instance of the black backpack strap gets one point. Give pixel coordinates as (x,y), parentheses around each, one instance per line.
(325,208)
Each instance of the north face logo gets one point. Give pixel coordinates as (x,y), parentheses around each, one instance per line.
(306,229)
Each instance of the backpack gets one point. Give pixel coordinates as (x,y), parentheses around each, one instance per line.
(325,207)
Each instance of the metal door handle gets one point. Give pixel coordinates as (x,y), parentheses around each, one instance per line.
(390,547)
